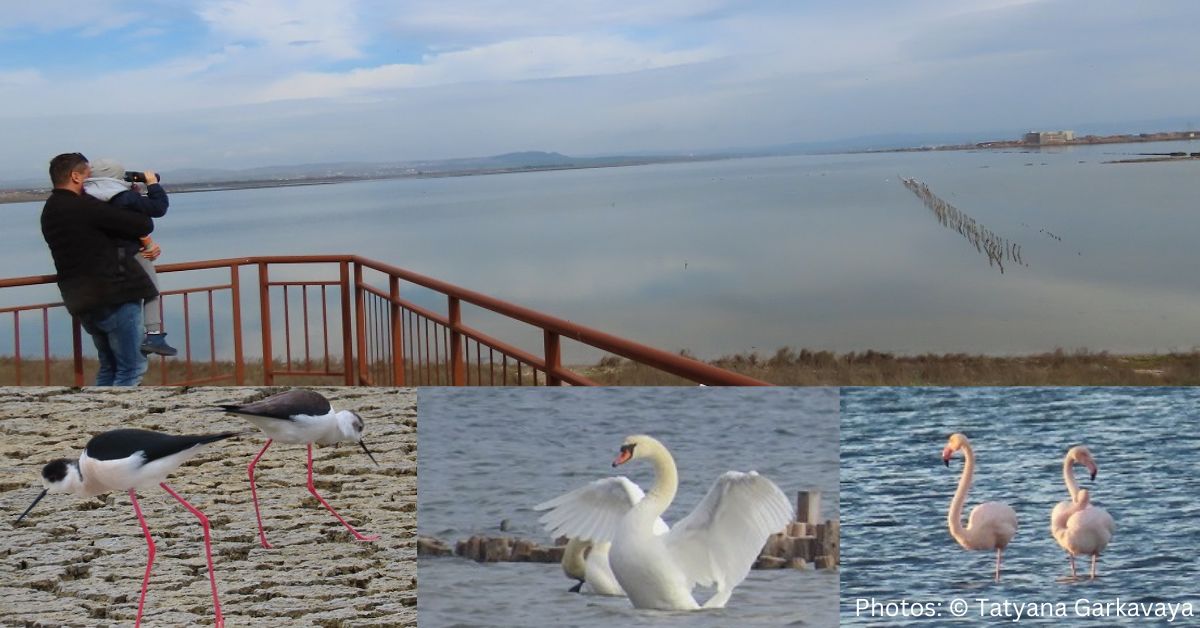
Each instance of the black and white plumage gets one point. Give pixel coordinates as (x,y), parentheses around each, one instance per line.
(301,417)
(129,459)
(121,460)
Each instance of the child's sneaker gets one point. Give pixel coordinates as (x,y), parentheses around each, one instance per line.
(157,343)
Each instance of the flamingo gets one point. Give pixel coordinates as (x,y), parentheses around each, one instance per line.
(1079,527)
(991,525)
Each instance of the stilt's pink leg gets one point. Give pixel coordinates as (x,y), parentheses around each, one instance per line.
(149,555)
(262,534)
(313,489)
(212,577)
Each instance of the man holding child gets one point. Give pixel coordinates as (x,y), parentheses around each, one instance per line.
(101,283)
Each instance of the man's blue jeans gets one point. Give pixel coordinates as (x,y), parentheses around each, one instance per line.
(117,332)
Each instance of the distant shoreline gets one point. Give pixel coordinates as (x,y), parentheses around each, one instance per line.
(40,194)
(1086,140)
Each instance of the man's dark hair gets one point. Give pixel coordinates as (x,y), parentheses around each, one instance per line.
(63,165)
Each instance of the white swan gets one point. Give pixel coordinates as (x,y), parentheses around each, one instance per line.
(715,545)
(991,525)
(583,559)
(1077,526)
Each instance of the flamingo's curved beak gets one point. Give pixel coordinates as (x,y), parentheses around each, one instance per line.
(1091,467)
(946,454)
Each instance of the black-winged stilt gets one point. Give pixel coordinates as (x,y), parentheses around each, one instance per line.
(126,460)
(301,417)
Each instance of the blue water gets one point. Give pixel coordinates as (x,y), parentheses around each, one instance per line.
(825,252)
(895,494)
(489,455)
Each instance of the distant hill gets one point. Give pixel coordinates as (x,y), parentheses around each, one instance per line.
(367,170)
(534,160)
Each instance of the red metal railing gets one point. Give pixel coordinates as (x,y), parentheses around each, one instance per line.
(387,337)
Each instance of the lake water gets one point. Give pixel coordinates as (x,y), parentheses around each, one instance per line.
(491,455)
(824,252)
(895,494)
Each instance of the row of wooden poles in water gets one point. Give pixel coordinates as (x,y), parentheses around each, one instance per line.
(997,249)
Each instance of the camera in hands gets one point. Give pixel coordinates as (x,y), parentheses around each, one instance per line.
(133,176)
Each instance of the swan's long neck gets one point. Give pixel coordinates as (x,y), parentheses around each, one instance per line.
(666,482)
(1069,476)
(954,517)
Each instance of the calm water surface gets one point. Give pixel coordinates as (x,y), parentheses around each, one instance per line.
(895,494)
(490,455)
(825,251)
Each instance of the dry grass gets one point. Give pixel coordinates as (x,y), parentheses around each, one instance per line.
(787,367)
(61,373)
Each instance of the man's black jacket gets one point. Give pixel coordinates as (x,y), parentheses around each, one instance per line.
(94,271)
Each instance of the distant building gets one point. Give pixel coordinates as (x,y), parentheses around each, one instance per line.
(1040,138)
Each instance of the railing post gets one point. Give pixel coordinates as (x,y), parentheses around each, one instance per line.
(397,331)
(264,304)
(77,349)
(17,348)
(458,369)
(553,358)
(360,317)
(239,356)
(347,326)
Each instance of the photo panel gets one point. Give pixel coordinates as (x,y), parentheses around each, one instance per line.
(490,458)
(921,540)
(80,560)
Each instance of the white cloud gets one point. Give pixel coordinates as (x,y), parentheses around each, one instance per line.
(327,29)
(445,79)
(21,79)
(517,60)
(94,17)
(503,19)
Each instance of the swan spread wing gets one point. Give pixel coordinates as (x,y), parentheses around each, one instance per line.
(592,511)
(719,541)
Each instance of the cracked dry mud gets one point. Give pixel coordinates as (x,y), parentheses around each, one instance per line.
(75,562)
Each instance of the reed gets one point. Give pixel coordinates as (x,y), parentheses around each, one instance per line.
(804,367)
(785,367)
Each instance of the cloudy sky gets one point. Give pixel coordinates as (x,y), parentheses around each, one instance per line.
(242,83)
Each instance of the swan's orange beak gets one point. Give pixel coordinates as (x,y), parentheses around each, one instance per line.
(946,454)
(624,456)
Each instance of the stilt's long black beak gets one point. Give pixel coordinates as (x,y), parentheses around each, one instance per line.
(39,498)
(368,452)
